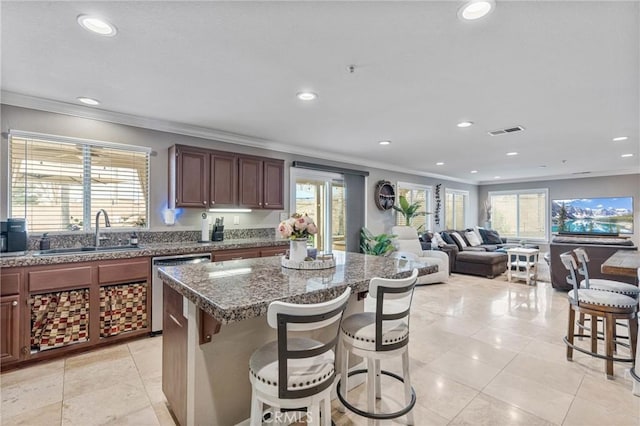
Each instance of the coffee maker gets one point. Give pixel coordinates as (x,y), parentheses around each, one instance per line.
(13,235)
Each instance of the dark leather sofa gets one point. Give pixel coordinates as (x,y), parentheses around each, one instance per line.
(598,249)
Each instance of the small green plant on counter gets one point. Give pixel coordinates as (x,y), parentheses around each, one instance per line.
(377,245)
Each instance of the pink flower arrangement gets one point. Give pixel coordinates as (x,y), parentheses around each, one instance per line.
(297,227)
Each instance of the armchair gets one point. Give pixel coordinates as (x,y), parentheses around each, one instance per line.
(406,241)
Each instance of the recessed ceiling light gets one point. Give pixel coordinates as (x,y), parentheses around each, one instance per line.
(385,142)
(97,25)
(475,9)
(620,138)
(496,177)
(511,154)
(439,163)
(473,171)
(465,124)
(306,96)
(88,101)
(626,155)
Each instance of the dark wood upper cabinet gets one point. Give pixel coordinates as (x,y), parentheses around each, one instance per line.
(273,184)
(208,179)
(250,182)
(224,180)
(188,177)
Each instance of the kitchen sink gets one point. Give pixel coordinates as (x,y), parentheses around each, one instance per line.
(75,250)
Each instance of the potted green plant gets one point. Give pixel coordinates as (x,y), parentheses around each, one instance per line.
(377,245)
(409,211)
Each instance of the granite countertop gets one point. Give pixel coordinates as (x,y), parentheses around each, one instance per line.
(31,258)
(241,289)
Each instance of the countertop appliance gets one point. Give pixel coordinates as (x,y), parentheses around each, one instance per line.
(13,234)
(156,282)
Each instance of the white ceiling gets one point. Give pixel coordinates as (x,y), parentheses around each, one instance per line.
(566,71)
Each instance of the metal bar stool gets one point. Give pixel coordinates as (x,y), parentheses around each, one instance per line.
(296,373)
(377,336)
(598,304)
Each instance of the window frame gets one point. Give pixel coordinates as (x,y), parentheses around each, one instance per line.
(86,144)
(428,221)
(517,193)
(465,195)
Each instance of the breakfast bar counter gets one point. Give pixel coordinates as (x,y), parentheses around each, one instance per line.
(218,311)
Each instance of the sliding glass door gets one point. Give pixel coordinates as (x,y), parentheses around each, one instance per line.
(321,195)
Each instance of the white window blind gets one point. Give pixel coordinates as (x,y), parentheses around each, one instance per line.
(59,183)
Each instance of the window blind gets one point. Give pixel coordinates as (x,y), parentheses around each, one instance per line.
(58,183)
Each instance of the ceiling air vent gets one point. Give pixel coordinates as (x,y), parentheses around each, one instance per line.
(580,173)
(506,130)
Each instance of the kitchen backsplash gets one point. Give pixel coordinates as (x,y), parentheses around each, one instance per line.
(144,237)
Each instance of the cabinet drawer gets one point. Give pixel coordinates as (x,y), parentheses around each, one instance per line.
(10,283)
(129,271)
(50,279)
(235,255)
(273,251)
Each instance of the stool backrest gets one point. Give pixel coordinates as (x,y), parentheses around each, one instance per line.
(569,262)
(393,302)
(290,317)
(583,263)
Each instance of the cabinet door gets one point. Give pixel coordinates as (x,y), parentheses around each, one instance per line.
(273,184)
(192,178)
(9,329)
(174,354)
(224,180)
(250,182)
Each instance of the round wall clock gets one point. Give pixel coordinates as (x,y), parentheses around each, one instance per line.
(385,195)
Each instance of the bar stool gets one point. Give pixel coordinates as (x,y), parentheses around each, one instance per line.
(603,285)
(377,336)
(296,372)
(599,304)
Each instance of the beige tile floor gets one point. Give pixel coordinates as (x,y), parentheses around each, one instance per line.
(483,352)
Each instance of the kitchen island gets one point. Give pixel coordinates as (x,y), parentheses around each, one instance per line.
(219,315)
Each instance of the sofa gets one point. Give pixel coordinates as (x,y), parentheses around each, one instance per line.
(407,244)
(598,249)
(482,255)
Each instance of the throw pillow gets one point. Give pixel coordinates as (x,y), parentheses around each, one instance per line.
(447,237)
(473,239)
(491,237)
(460,242)
(477,229)
(436,238)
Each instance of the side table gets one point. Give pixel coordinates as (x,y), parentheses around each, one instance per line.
(523,264)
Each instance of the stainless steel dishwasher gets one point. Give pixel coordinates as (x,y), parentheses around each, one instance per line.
(156,282)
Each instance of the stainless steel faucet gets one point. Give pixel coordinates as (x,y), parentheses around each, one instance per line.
(106,223)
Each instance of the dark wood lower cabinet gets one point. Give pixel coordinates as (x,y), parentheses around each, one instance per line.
(9,329)
(174,354)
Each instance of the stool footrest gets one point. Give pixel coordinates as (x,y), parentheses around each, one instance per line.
(597,355)
(377,416)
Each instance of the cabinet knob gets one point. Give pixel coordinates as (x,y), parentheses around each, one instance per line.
(25,350)
(266,204)
(213,202)
(259,204)
(204,202)
(14,303)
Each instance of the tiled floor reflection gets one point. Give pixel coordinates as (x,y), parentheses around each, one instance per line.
(484,352)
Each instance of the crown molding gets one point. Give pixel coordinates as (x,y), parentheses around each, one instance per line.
(559,177)
(49,105)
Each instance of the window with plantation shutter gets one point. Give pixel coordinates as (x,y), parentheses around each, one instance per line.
(59,183)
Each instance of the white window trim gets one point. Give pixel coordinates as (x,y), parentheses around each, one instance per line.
(465,194)
(83,141)
(429,199)
(547,210)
